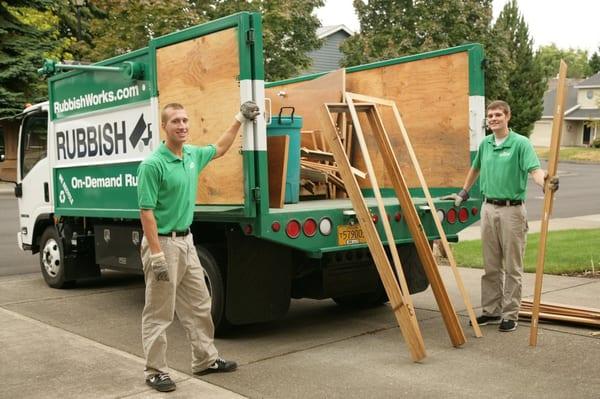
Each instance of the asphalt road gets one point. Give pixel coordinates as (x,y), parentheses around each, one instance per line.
(579,195)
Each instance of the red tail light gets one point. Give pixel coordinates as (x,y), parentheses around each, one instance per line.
(310,227)
(463,215)
(276,226)
(474,211)
(451,216)
(398,217)
(293,228)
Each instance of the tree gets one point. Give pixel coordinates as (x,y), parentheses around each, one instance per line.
(391,29)
(22,46)
(594,62)
(548,57)
(518,78)
(130,25)
(289,32)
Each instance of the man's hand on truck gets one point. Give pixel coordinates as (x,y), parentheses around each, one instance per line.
(159,266)
(248,111)
(458,198)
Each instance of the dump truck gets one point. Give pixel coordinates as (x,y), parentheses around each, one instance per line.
(75,160)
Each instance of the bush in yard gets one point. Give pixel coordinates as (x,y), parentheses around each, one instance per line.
(596,143)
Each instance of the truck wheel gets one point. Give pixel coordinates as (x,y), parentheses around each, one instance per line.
(52,259)
(216,287)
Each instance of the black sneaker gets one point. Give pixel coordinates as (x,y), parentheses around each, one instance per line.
(484,320)
(161,382)
(219,366)
(508,325)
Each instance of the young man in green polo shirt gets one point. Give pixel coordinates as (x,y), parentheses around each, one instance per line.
(167,183)
(503,163)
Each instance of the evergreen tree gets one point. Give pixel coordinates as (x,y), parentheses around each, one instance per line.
(512,52)
(394,28)
(22,48)
(289,32)
(594,62)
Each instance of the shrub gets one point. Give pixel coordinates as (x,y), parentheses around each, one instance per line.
(596,143)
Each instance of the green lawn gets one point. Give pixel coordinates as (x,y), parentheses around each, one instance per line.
(568,251)
(585,154)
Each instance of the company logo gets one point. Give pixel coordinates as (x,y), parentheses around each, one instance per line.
(120,135)
(96,99)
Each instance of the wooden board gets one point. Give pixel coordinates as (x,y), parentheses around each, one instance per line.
(401,304)
(306,97)
(433,97)
(557,122)
(277,154)
(201,74)
(386,151)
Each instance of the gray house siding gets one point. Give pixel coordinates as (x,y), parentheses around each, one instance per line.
(328,57)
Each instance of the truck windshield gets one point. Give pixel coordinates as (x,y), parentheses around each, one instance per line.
(33,141)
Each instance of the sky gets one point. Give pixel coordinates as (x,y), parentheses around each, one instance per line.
(569,24)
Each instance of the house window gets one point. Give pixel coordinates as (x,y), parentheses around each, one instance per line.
(589,94)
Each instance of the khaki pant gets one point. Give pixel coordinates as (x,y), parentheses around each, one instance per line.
(503,238)
(185,294)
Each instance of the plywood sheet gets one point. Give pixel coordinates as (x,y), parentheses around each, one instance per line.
(277,154)
(306,97)
(433,98)
(202,75)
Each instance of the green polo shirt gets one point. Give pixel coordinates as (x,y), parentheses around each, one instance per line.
(504,169)
(167,184)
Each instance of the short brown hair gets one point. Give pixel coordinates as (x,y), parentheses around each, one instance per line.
(163,114)
(499,104)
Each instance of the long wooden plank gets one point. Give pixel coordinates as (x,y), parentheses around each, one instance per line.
(557,317)
(449,316)
(377,120)
(405,315)
(277,155)
(557,123)
(362,145)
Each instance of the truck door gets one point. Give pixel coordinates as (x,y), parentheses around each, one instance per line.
(33,174)
(211,69)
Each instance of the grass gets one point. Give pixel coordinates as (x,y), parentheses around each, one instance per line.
(567,252)
(584,154)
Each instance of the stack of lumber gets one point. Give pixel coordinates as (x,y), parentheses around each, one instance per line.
(563,313)
(318,172)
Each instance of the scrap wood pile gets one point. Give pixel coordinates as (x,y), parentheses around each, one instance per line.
(563,313)
(319,173)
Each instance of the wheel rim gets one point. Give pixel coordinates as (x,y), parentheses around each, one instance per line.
(51,258)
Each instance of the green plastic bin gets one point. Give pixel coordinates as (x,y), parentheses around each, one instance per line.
(289,126)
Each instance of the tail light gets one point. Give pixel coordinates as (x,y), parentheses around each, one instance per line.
(463,215)
(451,216)
(325,226)
(276,226)
(293,228)
(398,217)
(474,211)
(440,215)
(310,227)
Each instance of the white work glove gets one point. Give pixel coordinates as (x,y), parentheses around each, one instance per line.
(248,111)
(458,198)
(158,263)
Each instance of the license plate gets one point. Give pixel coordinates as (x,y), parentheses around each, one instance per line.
(350,234)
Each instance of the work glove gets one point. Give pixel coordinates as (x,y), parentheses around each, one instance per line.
(458,198)
(248,111)
(553,182)
(158,263)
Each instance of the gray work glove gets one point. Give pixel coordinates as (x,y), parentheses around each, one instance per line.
(553,182)
(458,198)
(158,263)
(248,111)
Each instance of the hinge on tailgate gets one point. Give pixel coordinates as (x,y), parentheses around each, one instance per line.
(250,37)
(256,194)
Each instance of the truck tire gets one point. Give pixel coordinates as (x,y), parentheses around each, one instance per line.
(52,259)
(216,287)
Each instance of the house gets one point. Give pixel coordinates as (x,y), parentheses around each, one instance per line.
(328,57)
(581,123)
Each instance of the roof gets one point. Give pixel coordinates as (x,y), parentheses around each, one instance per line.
(585,114)
(550,99)
(325,31)
(592,81)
